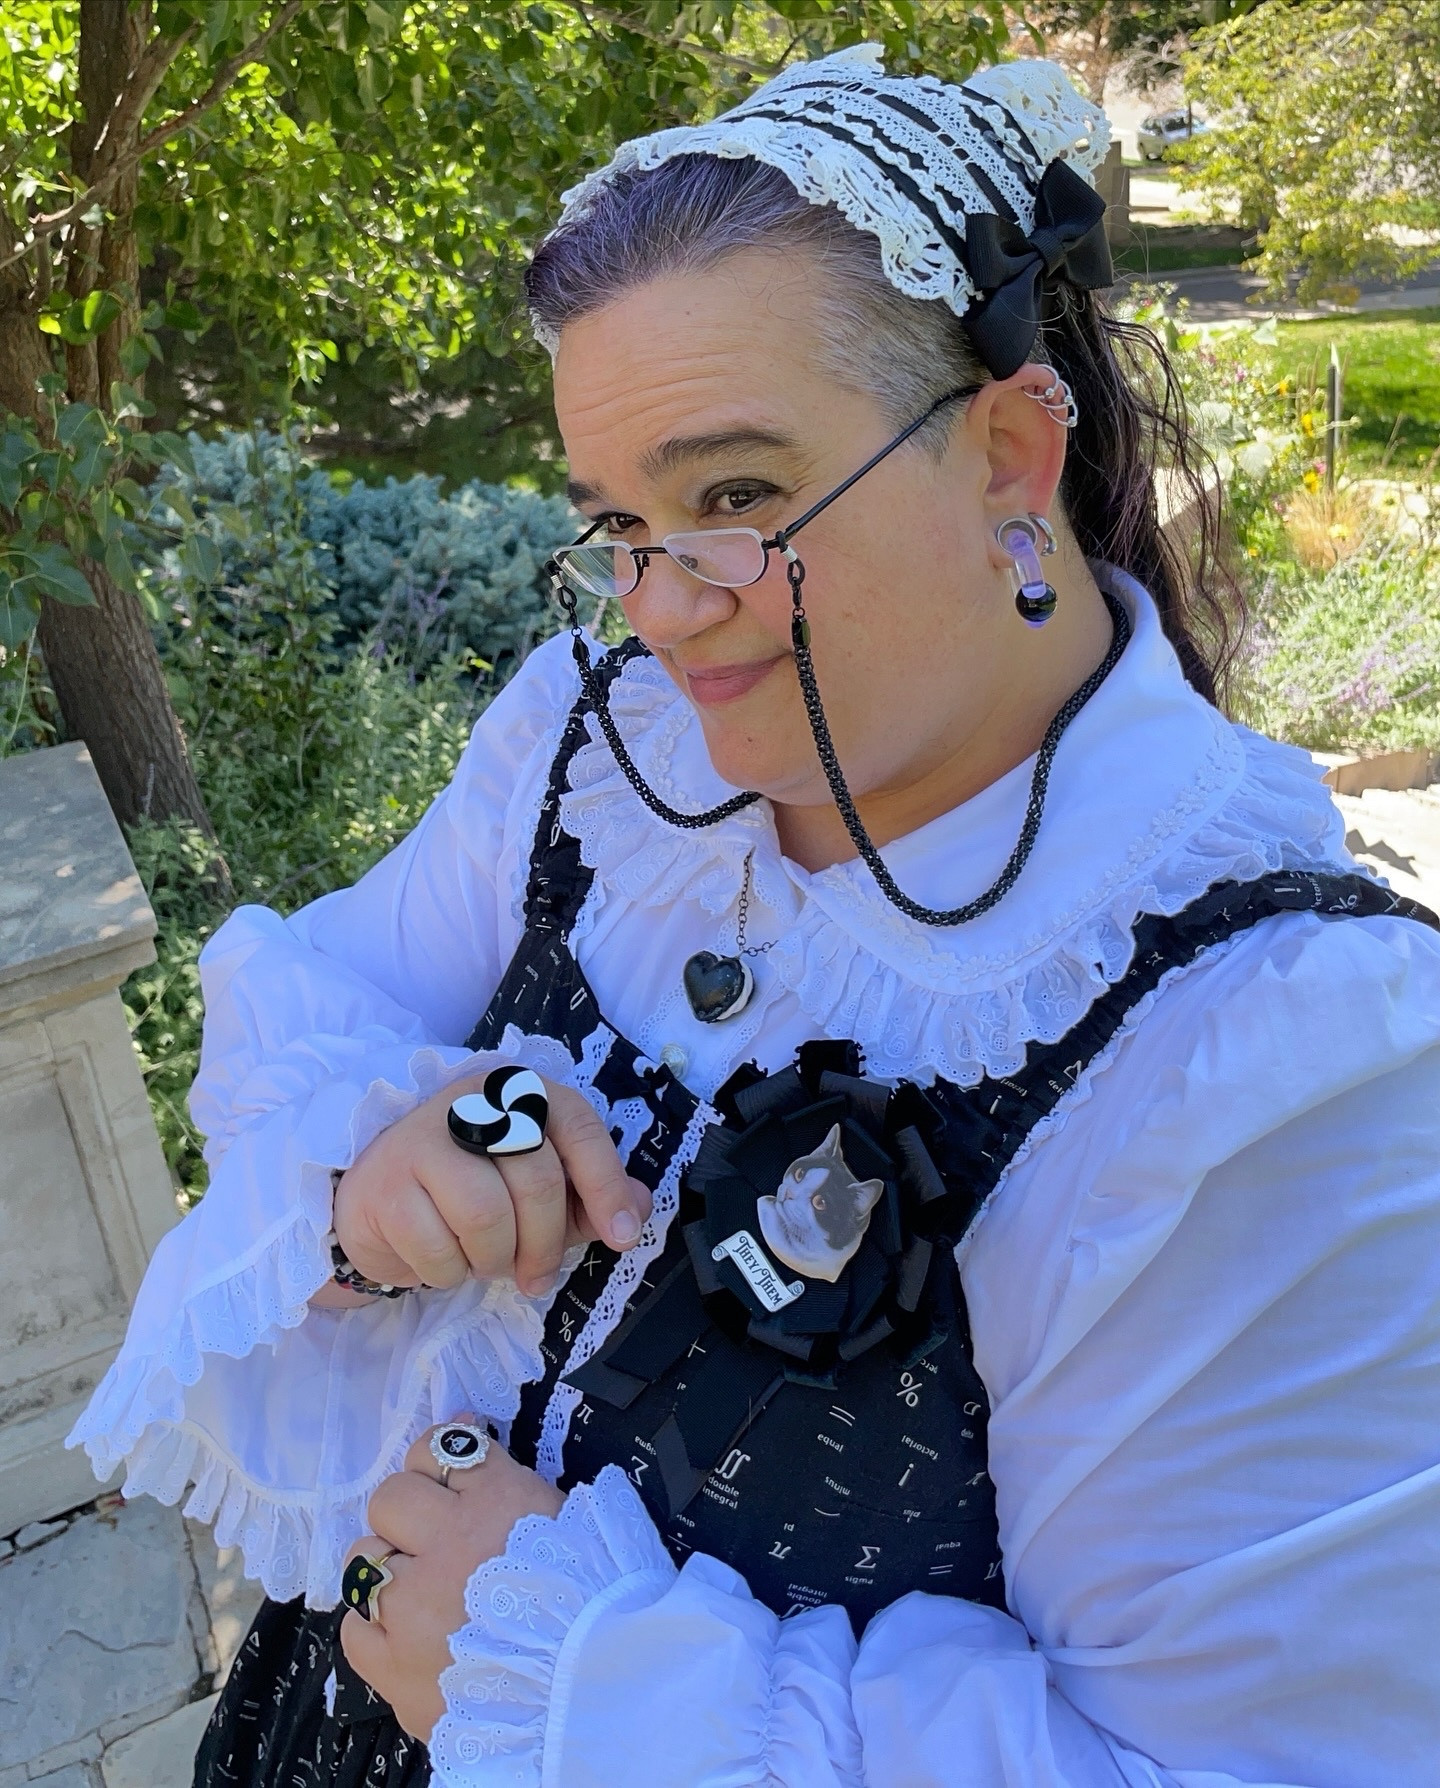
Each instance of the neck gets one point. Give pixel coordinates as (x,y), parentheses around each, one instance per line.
(1005,727)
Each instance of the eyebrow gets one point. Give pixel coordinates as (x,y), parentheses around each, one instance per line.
(680,450)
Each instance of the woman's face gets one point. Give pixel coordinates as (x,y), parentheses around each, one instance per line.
(704,401)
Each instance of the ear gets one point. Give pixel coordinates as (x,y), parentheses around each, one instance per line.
(831,1144)
(1024,447)
(869,1191)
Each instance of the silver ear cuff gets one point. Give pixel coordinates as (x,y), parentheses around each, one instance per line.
(1056,399)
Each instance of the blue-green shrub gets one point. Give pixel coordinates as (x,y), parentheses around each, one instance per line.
(429,576)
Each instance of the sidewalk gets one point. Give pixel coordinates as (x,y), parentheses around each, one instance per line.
(1224,294)
(117,1626)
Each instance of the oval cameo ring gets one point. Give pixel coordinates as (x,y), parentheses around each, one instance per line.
(363,1580)
(458,1446)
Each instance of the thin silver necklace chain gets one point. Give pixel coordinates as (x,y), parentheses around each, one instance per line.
(741,947)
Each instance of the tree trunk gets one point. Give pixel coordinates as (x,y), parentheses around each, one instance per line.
(102,661)
(107,678)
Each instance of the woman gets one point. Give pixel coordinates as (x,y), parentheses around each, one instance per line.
(971,1315)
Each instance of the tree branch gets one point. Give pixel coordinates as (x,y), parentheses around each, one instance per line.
(162,133)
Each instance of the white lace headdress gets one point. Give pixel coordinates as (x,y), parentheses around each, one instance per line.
(911,161)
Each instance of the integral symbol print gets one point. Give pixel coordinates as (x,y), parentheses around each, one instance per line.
(817,1218)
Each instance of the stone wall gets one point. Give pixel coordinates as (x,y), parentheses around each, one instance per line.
(84,1191)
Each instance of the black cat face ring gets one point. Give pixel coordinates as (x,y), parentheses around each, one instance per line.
(458,1446)
(363,1580)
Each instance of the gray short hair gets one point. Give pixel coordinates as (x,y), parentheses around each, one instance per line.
(694,211)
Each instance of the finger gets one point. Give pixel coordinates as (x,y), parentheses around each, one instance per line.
(420,1458)
(539,1198)
(422,1238)
(474,1202)
(367,1651)
(617,1205)
(367,1252)
(409,1509)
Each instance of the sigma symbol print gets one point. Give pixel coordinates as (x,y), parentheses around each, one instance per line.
(818,1216)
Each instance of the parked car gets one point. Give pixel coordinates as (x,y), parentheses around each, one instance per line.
(1163,130)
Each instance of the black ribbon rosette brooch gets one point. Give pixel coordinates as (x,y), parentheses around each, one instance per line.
(816,1227)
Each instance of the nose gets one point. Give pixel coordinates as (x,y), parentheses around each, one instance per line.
(669,606)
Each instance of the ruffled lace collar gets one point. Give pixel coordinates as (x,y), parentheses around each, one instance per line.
(1154,797)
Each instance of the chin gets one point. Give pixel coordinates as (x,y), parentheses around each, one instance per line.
(743,752)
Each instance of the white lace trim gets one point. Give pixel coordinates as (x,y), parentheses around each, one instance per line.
(609,1307)
(858,968)
(1006,124)
(521,1608)
(295,1543)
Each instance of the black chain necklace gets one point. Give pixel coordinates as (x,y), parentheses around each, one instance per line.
(723,984)
(1039,780)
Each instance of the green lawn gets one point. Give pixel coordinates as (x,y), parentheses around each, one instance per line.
(1391,362)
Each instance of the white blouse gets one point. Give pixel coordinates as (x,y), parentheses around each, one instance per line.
(1205,1299)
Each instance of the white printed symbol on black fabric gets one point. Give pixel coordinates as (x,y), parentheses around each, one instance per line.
(734,1459)
(779,1551)
(819,1213)
(908,1469)
(842,1415)
(760,1276)
(641,1467)
(909,1390)
(866,1560)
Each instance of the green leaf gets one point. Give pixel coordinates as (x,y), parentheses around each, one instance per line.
(179,501)
(200,558)
(71,420)
(19,612)
(48,323)
(118,563)
(176,449)
(183,315)
(59,576)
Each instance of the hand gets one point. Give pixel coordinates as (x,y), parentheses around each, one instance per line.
(441,1537)
(416,1209)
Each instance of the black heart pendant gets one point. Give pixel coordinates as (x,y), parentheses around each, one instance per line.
(717,987)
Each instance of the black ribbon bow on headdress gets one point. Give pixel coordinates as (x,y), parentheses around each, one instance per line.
(1009,268)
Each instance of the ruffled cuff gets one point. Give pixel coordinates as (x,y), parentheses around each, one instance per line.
(526,1607)
(285,1469)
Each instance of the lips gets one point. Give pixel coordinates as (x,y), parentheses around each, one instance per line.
(720,683)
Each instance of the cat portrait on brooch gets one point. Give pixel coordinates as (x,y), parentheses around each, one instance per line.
(817,1217)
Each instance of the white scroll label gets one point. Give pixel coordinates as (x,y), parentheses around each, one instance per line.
(760,1276)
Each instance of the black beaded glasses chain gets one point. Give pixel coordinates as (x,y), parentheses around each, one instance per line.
(1039,780)
(820,727)
(830,763)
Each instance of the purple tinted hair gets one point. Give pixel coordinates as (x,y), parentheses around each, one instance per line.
(690,213)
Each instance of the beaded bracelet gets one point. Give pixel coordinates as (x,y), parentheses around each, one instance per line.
(350,1276)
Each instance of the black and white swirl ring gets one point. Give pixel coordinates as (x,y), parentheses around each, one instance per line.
(506,1117)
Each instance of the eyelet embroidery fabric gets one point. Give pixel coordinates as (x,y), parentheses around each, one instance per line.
(993,135)
(919,1004)
(294,1541)
(520,1607)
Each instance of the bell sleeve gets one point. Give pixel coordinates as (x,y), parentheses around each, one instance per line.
(321,1030)
(1209,1322)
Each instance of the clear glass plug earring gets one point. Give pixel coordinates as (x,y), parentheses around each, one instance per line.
(1025,538)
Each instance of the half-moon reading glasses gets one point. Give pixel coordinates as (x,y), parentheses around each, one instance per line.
(731,557)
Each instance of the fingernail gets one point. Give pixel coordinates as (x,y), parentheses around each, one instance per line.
(624,1226)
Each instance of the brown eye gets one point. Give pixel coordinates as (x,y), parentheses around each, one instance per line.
(818,1201)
